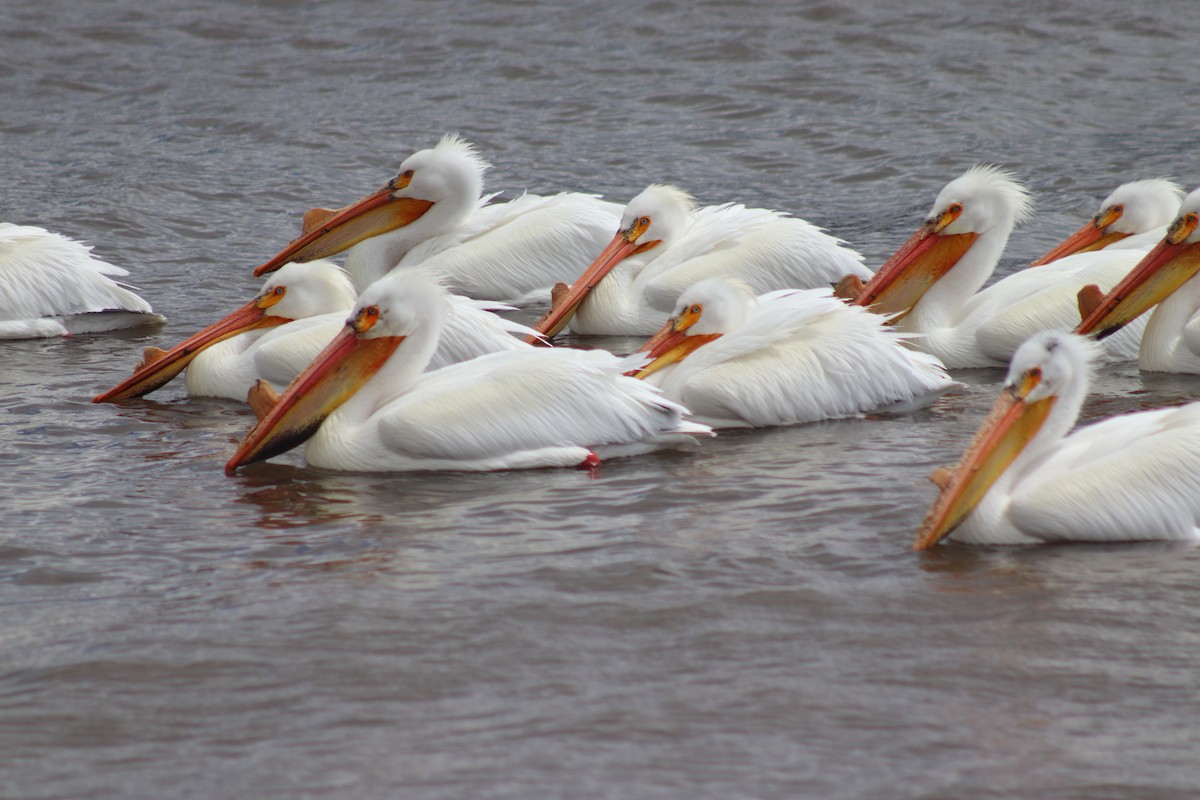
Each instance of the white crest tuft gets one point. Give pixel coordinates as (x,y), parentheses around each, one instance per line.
(455,145)
(1003,183)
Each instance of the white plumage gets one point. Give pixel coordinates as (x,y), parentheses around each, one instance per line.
(318,294)
(52,286)
(517,409)
(1134,216)
(665,245)
(934,280)
(1169,276)
(1171,339)
(433,214)
(278,355)
(1131,477)
(787,357)
(1007,313)
(300,308)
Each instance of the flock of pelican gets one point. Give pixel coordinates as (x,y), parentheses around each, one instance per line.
(400,361)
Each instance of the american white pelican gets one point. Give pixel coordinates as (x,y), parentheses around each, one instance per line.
(277,334)
(432,214)
(932,283)
(53,286)
(789,356)
(664,245)
(1168,277)
(367,405)
(1134,216)
(1023,480)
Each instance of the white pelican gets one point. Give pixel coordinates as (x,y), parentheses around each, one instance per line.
(367,405)
(1134,216)
(932,283)
(1167,276)
(300,309)
(432,214)
(664,245)
(53,286)
(797,355)
(1023,480)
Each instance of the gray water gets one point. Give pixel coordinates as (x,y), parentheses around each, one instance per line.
(744,621)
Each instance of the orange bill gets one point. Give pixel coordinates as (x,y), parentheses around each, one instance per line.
(565,304)
(159,367)
(1008,428)
(913,269)
(328,233)
(673,343)
(1169,265)
(1088,238)
(333,377)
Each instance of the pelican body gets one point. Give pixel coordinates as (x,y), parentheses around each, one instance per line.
(782,358)
(1168,280)
(1024,480)
(368,405)
(53,286)
(1134,216)
(931,286)
(264,337)
(664,245)
(300,308)
(433,214)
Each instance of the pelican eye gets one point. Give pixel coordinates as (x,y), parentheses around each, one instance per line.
(951,213)
(636,229)
(696,309)
(270,298)
(1026,383)
(365,318)
(1183,227)
(1109,215)
(401,181)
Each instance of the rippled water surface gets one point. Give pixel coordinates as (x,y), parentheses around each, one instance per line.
(743,621)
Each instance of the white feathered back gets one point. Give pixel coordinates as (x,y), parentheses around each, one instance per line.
(45,274)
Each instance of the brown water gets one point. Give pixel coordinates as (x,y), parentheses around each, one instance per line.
(746,621)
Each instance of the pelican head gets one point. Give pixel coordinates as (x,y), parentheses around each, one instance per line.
(985,198)
(1049,366)
(1132,208)
(1168,265)
(703,313)
(985,202)
(448,176)
(296,291)
(404,305)
(659,214)
(308,289)
(448,172)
